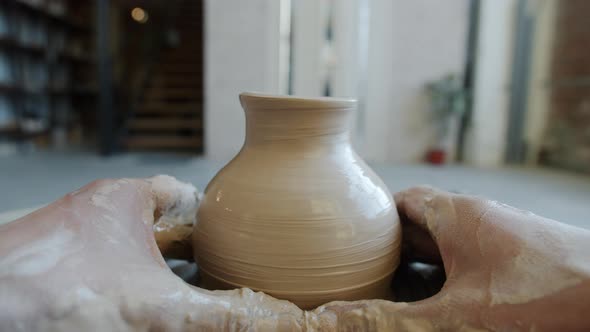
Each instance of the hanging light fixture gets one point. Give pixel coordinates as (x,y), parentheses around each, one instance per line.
(139,15)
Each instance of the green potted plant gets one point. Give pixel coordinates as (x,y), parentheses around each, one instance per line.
(447,105)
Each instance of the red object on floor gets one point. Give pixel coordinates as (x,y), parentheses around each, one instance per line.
(436,157)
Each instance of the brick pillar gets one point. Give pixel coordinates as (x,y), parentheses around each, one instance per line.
(567,143)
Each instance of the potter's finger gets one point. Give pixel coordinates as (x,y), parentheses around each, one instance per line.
(162,203)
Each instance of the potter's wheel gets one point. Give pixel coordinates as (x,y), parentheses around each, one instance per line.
(412,281)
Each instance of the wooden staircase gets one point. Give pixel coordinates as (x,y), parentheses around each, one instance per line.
(169,115)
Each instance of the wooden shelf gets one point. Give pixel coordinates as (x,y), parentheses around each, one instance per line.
(163,142)
(165,124)
(10,129)
(77,91)
(7,41)
(10,88)
(77,58)
(69,22)
(34,91)
(33,48)
(170,108)
(30,8)
(18,89)
(14,131)
(80,91)
(88,91)
(55,18)
(12,44)
(75,22)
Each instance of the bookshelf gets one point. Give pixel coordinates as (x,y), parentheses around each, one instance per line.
(47,70)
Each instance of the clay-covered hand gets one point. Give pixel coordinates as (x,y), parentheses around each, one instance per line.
(507,269)
(89,262)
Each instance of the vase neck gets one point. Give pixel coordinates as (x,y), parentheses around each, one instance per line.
(284,120)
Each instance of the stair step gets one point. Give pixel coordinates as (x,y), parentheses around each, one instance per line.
(173,99)
(166,92)
(164,124)
(184,51)
(170,108)
(191,36)
(194,69)
(186,48)
(182,59)
(159,142)
(178,65)
(181,70)
(195,84)
(177,74)
(189,44)
(162,78)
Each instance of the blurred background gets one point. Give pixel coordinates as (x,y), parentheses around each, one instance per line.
(490,97)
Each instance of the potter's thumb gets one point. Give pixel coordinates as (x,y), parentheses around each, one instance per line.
(175,201)
(426,214)
(175,207)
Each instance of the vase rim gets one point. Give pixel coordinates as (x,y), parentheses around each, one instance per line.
(257,100)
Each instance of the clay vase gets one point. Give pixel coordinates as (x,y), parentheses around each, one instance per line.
(297,214)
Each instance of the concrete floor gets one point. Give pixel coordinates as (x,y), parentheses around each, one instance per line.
(38,178)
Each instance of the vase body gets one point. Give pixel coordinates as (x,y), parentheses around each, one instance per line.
(297,214)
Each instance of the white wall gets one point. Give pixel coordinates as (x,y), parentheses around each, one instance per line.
(411,43)
(307,34)
(487,137)
(311,61)
(380,82)
(345,70)
(241,54)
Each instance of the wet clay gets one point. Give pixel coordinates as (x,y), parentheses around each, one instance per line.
(297,214)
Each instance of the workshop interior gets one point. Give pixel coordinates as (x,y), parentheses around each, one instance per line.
(482,97)
(294,165)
